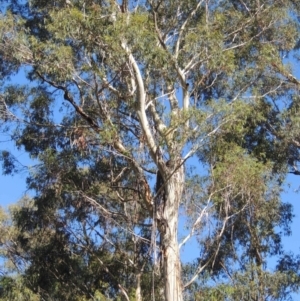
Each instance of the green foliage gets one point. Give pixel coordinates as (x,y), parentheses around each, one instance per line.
(14,289)
(119,93)
(8,163)
(266,286)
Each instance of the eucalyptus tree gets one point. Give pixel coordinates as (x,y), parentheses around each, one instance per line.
(121,92)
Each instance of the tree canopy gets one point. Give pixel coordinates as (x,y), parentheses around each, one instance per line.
(142,116)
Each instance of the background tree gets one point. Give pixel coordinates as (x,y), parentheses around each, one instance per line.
(120,92)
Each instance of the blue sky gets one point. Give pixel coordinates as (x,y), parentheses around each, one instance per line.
(12,188)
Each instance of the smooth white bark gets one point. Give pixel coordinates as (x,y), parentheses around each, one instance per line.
(168,229)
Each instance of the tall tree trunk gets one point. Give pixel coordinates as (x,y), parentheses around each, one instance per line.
(138,291)
(168,232)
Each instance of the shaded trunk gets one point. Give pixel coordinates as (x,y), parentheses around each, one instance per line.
(168,232)
(138,291)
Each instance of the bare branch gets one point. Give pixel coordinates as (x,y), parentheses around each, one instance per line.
(141,106)
(182,28)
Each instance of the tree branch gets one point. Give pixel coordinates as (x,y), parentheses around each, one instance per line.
(141,108)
